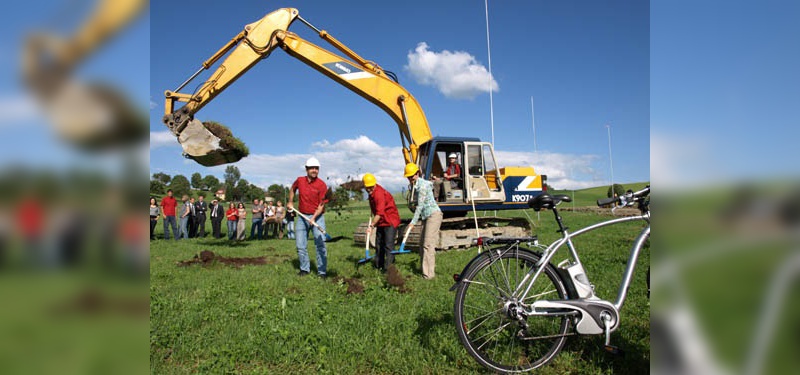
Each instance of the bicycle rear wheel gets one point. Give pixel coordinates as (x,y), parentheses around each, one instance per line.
(487,316)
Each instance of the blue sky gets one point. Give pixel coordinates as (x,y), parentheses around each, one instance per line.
(585,65)
(724,92)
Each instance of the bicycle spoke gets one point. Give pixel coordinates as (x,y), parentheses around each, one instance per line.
(493,333)
(493,274)
(484,319)
(498,297)
(540,294)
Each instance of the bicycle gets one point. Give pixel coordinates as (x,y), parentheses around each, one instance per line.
(514,310)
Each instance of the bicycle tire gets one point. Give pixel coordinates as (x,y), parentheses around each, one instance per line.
(487,330)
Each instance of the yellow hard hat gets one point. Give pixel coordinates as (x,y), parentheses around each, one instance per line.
(369,180)
(411,169)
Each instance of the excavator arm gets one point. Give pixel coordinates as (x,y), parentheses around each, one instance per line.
(254,44)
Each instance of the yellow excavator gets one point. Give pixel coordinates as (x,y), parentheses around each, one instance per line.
(482,185)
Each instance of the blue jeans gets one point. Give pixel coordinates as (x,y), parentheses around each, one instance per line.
(257,228)
(184,227)
(301,240)
(171,221)
(290,229)
(232,229)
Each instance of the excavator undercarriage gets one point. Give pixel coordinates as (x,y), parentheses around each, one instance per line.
(455,233)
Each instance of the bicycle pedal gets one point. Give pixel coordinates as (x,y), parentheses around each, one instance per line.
(611,349)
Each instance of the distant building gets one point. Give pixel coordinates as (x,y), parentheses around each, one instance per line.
(220,194)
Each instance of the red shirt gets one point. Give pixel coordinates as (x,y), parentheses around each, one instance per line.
(453,169)
(312,194)
(31,217)
(169,204)
(232,214)
(382,203)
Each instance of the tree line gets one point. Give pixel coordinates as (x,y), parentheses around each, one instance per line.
(237,188)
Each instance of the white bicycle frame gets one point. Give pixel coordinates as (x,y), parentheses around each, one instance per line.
(567,239)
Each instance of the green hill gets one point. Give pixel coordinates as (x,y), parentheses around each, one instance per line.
(589,196)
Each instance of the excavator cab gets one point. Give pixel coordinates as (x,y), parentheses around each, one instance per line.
(478,179)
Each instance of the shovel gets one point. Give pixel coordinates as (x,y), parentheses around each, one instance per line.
(308,219)
(367,257)
(402,249)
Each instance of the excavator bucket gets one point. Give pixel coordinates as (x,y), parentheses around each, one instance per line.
(94,116)
(210,143)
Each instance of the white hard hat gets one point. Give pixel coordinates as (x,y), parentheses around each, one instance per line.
(453,155)
(312,162)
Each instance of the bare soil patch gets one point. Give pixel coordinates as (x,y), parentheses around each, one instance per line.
(207,257)
(92,301)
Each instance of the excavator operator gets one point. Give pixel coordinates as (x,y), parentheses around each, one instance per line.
(453,172)
(451,175)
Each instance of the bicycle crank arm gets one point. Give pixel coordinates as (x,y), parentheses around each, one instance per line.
(590,321)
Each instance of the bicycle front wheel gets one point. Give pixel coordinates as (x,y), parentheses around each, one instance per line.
(488,318)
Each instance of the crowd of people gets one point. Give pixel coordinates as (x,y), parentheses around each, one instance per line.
(188,220)
(273,220)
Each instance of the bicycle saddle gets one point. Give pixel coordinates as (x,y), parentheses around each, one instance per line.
(547,201)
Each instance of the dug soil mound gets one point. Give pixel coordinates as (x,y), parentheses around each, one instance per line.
(207,257)
(354,286)
(395,279)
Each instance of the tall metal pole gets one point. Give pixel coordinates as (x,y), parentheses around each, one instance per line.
(535,150)
(610,160)
(533,123)
(573,187)
(489,51)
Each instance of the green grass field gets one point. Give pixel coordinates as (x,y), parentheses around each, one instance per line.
(266,319)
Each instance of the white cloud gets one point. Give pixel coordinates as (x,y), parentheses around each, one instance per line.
(683,162)
(563,171)
(349,159)
(343,160)
(165,138)
(153,105)
(17,109)
(455,74)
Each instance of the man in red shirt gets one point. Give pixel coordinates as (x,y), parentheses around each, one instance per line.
(385,220)
(168,206)
(453,172)
(452,176)
(312,191)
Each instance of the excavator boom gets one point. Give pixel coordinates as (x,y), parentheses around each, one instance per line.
(256,42)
